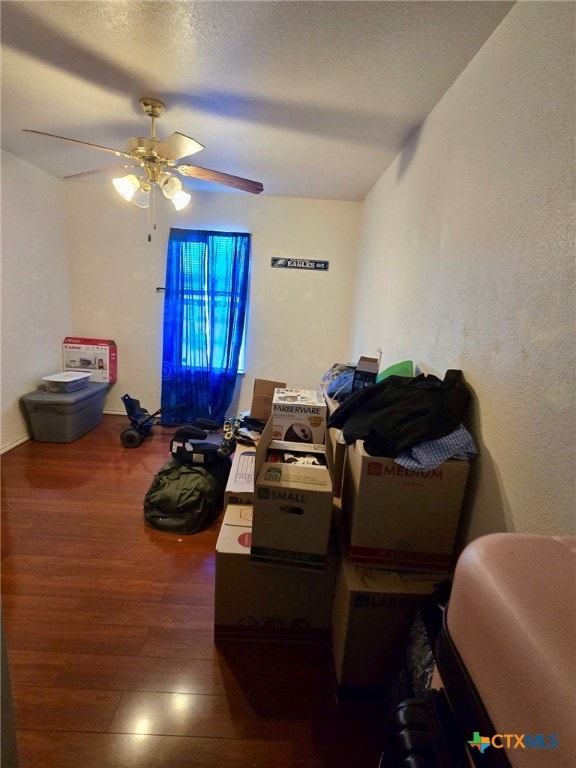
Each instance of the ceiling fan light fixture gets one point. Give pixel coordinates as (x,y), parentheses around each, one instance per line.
(181,200)
(141,198)
(126,186)
(170,185)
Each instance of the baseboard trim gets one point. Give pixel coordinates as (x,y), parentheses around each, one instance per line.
(14,443)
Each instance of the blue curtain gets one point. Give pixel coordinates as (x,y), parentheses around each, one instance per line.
(204,314)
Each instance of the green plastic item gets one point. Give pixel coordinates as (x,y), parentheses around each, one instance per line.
(405,368)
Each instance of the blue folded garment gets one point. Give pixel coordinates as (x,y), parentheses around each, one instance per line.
(340,387)
(459,444)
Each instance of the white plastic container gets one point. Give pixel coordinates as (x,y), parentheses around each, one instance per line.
(66,382)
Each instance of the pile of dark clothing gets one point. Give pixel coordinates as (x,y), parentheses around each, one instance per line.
(416,420)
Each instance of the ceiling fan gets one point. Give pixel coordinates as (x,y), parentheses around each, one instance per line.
(158,158)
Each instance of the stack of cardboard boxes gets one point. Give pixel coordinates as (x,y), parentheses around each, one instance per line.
(275,556)
(321,542)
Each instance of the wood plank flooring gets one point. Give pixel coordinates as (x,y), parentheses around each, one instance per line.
(110,632)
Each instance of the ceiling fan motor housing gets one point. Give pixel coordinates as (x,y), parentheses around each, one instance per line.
(143,146)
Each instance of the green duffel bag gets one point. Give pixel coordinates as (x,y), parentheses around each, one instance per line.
(183,498)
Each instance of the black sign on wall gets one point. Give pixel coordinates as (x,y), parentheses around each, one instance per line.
(300,264)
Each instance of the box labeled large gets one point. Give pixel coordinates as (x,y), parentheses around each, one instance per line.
(256,603)
(373,612)
(63,418)
(262,396)
(96,356)
(292,515)
(299,415)
(399,518)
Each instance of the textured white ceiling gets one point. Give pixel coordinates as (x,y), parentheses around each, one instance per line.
(312,98)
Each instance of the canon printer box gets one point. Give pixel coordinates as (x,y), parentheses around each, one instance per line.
(98,357)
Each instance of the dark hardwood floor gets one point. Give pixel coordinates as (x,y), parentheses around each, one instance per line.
(110,632)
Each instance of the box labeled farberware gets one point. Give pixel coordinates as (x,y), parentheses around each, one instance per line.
(299,415)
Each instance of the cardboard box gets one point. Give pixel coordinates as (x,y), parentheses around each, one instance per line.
(373,612)
(292,515)
(286,492)
(263,393)
(398,518)
(245,463)
(336,457)
(98,357)
(299,415)
(365,373)
(240,484)
(263,604)
(239,515)
(285,452)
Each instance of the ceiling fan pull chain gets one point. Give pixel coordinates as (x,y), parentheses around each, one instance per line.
(152,212)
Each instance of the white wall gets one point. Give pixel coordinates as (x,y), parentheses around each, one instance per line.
(299,322)
(36,312)
(467,262)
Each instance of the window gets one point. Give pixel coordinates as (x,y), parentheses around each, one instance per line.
(204,319)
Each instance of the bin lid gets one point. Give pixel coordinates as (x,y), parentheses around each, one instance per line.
(40,396)
(66,376)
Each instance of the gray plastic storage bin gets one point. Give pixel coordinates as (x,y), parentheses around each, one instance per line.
(63,418)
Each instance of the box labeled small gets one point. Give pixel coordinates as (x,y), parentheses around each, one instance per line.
(292,516)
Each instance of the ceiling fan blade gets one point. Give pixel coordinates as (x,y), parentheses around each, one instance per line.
(116,152)
(177,145)
(111,169)
(247,185)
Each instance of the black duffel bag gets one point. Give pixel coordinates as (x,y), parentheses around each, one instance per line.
(185,498)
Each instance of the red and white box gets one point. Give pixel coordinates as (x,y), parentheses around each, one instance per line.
(98,357)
